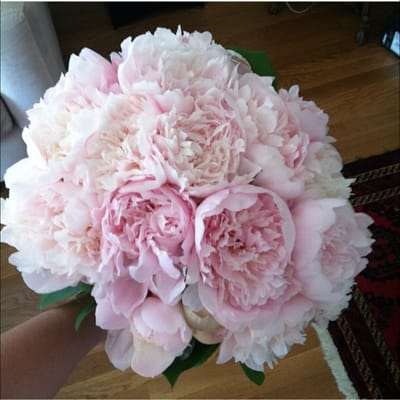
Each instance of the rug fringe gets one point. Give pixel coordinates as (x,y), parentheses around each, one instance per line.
(335,363)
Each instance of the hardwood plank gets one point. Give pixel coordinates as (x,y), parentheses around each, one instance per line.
(18,302)
(363,111)
(207,382)
(6,269)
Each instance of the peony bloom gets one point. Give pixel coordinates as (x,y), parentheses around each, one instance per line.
(311,119)
(148,235)
(117,300)
(92,71)
(164,61)
(197,139)
(205,328)
(244,238)
(158,333)
(111,153)
(330,250)
(255,347)
(190,125)
(49,222)
(59,122)
(275,141)
(322,173)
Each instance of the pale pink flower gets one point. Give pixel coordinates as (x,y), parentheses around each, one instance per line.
(117,300)
(322,173)
(191,124)
(197,140)
(332,242)
(275,141)
(119,347)
(49,222)
(111,153)
(58,123)
(147,234)
(92,71)
(255,347)
(311,119)
(163,61)
(244,239)
(205,328)
(158,333)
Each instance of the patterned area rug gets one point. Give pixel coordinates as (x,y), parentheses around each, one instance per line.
(367,335)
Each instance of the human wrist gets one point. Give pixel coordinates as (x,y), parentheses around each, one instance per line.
(88,330)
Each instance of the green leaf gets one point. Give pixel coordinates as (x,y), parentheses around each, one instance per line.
(256,377)
(259,62)
(84,313)
(194,355)
(62,294)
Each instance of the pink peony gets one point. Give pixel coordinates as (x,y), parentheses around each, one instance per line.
(322,173)
(273,340)
(205,328)
(190,123)
(311,119)
(244,239)
(92,71)
(111,150)
(275,141)
(147,234)
(164,61)
(157,334)
(330,250)
(49,222)
(58,123)
(197,139)
(117,300)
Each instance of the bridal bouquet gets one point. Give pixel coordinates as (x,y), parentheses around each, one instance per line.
(200,207)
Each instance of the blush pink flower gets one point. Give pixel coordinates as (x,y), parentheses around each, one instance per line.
(198,140)
(158,333)
(275,141)
(191,124)
(244,239)
(117,300)
(255,347)
(92,71)
(332,242)
(111,153)
(163,61)
(148,234)
(205,329)
(51,134)
(49,221)
(311,119)
(322,173)
(56,126)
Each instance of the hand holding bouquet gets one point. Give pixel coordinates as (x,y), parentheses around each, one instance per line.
(198,205)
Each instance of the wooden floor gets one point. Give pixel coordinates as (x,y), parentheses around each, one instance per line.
(357,86)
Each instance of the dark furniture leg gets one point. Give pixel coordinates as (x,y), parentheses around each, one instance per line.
(362,34)
(275,8)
